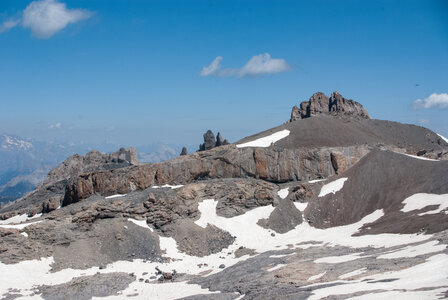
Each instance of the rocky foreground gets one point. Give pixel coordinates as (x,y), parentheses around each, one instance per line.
(330,205)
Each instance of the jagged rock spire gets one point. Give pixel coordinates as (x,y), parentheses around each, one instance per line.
(336,105)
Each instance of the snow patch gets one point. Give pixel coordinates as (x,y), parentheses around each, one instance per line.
(419,157)
(332,187)
(141,223)
(413,251)
(159,291)
(267,140)
(398,295)
(301,205)
(24,234)
(314,277)
(276,267)
(115,196)
(408,281)
(338,259)
(317,180)
(422,200)
(443,138)
(279,255)
(19,219)
(167,186)
(283,193)
(19,226)
(353,273)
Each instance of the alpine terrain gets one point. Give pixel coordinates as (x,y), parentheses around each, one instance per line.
(330,205)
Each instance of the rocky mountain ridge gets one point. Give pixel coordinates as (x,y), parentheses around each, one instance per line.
(330,205)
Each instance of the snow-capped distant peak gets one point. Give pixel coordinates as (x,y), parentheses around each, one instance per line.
(13,143)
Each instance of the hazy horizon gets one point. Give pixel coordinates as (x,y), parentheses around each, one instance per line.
(163,72)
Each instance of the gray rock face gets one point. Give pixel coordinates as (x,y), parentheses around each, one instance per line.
(92,161)
(270,164)
(336,105)
(86,287)
(284,217)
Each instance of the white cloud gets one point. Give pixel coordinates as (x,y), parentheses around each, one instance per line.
(264,64)
(57,126)
(433,101)
(46,17)
(7,25)
(213,68)
(258,65)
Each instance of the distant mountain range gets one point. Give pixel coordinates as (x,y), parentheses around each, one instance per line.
(25,163)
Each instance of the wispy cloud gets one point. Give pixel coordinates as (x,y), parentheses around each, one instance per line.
(433,101)
(258,65)
(46,17)
(7,25)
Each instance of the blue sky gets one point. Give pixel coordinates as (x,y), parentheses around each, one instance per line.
(129,72)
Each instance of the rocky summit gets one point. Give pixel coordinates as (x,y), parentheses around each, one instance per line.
(330,205)
(336,105)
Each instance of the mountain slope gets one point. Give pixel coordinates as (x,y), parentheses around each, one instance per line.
(333,205)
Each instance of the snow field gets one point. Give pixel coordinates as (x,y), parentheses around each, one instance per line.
(267,140)
(332,187)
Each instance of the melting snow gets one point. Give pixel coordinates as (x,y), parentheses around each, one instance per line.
(267,140)
(422,200)
(332,187)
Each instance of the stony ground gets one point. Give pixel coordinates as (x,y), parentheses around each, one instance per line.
(359,218)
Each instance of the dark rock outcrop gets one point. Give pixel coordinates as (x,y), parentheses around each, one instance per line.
(336,105)
(220,141)
(184,151)
(210,142)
